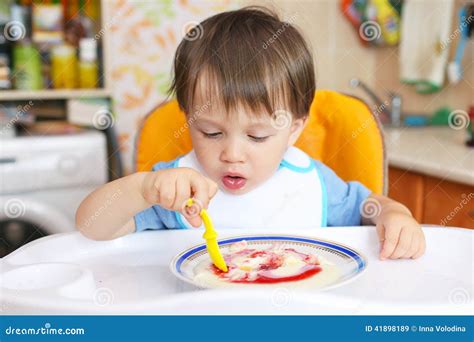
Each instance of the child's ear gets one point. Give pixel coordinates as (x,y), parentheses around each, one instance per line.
(297,127)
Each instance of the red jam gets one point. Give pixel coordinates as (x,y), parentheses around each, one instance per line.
(272,260)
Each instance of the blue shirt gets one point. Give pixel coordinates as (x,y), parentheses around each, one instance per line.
(343,202)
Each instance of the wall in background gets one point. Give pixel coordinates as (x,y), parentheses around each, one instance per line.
(144,36)
(459,96)
(339,56)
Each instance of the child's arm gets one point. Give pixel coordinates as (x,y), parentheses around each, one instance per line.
(107,213)
(399,233)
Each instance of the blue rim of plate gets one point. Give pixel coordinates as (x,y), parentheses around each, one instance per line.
(353,254)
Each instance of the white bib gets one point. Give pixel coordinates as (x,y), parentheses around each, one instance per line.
(294,197)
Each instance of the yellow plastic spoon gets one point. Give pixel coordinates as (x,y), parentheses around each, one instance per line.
(210,236)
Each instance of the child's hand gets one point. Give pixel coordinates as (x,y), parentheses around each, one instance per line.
(171,188)
(401,237)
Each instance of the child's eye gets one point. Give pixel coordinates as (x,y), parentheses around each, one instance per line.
(212,135)
(257,139)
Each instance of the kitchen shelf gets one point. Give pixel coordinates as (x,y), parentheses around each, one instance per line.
(52,94)
(64,94)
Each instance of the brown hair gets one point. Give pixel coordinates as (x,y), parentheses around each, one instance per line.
(245,57)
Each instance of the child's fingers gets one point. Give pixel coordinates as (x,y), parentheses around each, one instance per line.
(201,191)
(421,247)
(404,243)
(380,228)
(414,246)
(192,212)
(150,189)
(183,193)
(390,241)
(212,188)
(167,194)
(195,221)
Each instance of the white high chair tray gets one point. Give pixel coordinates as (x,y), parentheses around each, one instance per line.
(69,274)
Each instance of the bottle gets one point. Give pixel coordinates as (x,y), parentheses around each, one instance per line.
(5,47)
(5,71)
(389,21)
(26,66)
(78,24)
(47,23)
(87,14)
(470,128)
(64,66)
(20,16)
(73,30)
(88,69)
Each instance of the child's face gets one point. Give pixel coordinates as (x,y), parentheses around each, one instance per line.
(241,150)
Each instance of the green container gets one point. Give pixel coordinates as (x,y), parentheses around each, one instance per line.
(27,67)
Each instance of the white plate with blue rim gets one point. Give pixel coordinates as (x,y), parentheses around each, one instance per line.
(340,264)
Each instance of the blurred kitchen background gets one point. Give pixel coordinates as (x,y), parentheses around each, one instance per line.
(78,76)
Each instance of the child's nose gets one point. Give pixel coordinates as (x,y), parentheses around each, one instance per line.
(233,153)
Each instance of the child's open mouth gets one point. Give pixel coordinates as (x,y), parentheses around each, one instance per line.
(233,181)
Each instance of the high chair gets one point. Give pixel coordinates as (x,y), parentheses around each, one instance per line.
(342,132)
